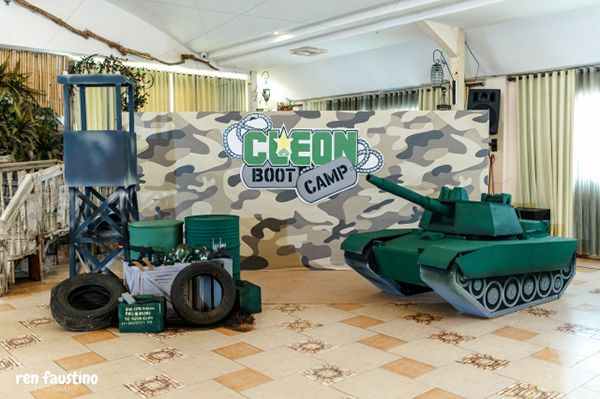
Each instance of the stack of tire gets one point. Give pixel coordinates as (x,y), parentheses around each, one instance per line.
(86,302)
(90,301)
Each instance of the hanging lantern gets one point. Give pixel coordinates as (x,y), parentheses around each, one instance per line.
(437,75)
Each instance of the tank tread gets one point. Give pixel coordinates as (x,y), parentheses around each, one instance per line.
(365,265)
(495,296)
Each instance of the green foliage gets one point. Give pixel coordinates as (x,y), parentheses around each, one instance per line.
(28,131)
(112,64)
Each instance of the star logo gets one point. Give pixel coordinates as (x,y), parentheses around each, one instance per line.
(283,144)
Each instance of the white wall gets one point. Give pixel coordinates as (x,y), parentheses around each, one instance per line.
(557,40)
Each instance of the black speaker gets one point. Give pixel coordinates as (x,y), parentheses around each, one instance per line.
(486,99)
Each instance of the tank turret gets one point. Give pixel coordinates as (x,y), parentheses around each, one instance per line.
(454,213)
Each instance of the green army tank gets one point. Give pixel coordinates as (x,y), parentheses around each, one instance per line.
(478,255)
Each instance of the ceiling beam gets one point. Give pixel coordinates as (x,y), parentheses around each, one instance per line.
(445,36)
(321,27)
(345,31)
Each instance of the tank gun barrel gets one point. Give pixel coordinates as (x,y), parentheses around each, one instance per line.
(430,204)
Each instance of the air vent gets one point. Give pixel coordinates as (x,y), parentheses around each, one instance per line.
(308,51)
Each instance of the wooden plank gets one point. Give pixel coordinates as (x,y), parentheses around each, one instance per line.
(49,173)
(15,204)
(16,166)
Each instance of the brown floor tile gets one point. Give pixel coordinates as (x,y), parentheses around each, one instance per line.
(37,322)
(153,386)
(20,342)
(242,379)
(578,282)
(346,306)
(408,367)
(524,390)
(438,394)
(5,307)
(328,374)
(94,336)
(555,356)
(237,351)
(362,321)
(161,355)
(226,331)
(79,361)
(484,361)
(300,325)
(515,333)
(61,391)
(381,341)
(423,318)
(9,363)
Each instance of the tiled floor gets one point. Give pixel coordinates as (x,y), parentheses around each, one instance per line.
(414,348)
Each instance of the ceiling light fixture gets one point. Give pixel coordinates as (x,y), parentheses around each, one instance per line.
(308,51)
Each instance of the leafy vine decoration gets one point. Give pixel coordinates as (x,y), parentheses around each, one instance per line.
(110,65)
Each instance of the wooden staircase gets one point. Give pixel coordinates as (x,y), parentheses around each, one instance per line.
(34,211)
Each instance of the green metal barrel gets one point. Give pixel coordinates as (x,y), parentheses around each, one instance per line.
(161,234)
(207,230)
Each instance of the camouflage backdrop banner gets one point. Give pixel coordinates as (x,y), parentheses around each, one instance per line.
(201,163)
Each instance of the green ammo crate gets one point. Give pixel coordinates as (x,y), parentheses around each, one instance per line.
(249,296)
(147,314)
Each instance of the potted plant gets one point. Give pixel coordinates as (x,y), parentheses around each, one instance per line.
(28,131)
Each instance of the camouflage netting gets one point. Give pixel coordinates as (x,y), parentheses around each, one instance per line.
(185,171)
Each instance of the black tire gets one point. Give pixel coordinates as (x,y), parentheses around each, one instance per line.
(86,302)
(179,288)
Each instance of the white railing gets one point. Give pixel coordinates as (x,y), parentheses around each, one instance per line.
(32,214)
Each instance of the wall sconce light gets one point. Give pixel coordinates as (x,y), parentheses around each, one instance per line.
(266,92)
(437,72)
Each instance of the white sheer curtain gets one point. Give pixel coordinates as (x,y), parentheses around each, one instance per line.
(388,100)
(586,145)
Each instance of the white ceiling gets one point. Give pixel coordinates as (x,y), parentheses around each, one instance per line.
(372,44)
(215,27)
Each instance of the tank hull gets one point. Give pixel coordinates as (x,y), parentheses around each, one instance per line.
(486,278)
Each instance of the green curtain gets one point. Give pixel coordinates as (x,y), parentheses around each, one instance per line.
(388,100)
(586,134)
(544,131)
